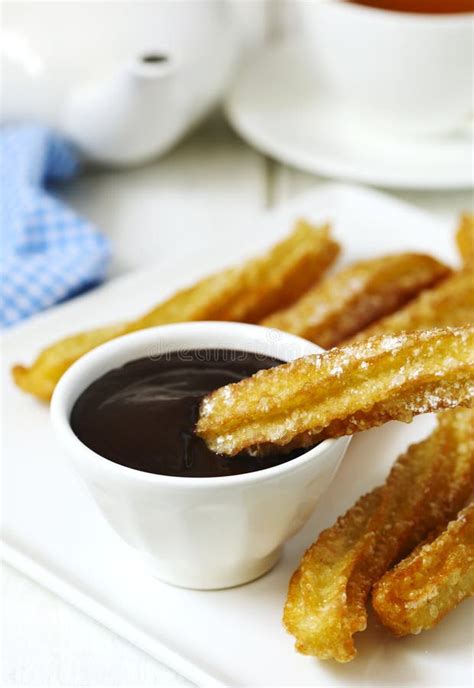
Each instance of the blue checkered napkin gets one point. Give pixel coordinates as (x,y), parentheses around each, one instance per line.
(48,253)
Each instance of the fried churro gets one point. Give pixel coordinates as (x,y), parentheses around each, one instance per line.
(433,580)
(341,391)
(465,239)
(247,293)
(327,596)
(345,303)
(449,304)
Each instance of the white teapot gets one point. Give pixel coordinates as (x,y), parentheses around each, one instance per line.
(123,80)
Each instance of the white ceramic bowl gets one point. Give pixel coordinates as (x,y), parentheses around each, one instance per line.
(399,71)
(197,532)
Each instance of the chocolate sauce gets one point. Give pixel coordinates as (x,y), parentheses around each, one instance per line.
(143,414)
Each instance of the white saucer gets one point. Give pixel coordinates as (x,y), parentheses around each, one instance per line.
(275,105)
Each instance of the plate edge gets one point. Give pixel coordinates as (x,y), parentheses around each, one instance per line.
(112,621)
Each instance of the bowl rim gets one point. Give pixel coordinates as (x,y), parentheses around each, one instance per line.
(60,416)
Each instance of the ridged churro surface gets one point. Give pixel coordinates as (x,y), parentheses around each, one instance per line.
(449,304)
(343,304)
(247,293)
(341,391)
(327,596)
(433,580)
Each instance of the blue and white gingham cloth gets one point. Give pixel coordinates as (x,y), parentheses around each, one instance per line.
(48,252)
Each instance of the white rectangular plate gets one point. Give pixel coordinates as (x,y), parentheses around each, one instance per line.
(53,532)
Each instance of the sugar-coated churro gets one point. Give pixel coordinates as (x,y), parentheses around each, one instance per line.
(247,293)
(327,597)
(449,304)
(465,239)
(341,391)
(433,580)
(343,304)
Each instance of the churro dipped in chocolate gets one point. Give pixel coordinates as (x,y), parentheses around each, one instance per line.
(341,391)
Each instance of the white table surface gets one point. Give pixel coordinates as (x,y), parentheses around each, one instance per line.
(208,186)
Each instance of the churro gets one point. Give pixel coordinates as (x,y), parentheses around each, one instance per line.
(247,293)
(341,391)
(465,239)
(433,580)
(449,304)
(343,304)
(327,596)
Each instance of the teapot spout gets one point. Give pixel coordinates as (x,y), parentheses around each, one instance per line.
(130,117)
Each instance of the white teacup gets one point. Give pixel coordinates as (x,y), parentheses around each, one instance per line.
(394,70)
(198,532)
